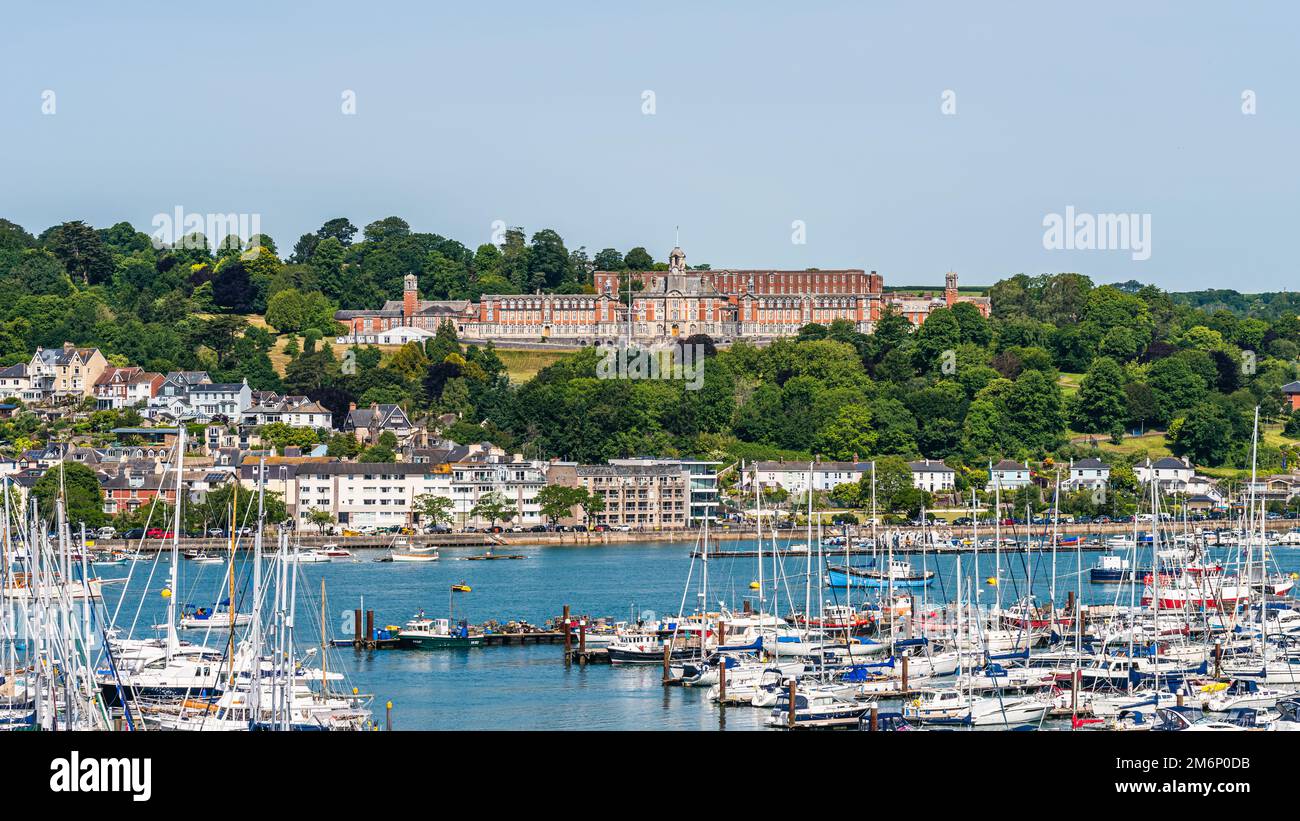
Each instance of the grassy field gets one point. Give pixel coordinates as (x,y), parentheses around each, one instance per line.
(523,364)
(1069,383)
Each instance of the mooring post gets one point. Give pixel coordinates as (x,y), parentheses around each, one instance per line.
(1218,659)
(875,718)
(356,627)
(668,654)
(722,681)
(568,639)
(905,675)
(388,716)
(794,684)
(370,627)
(582,635)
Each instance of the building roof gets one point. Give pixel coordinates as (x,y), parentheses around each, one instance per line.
(18,371)
(1010,464)
(1091,464)
(1288,388)
(929,466)
(817,467)
(1169,462)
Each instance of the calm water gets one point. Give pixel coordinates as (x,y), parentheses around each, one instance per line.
(531,687)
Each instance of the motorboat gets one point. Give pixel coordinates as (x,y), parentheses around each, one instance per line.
(437,634)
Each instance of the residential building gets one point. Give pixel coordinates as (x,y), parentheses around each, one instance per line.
(1009,475)
(794,476)
(1166,472)
(294,411)
(368,424)
(1088,474)
(650,497)
(125,387)
(65,373)
(131,488)
(1291,392)
(702,482)
(933,475)
(15,381)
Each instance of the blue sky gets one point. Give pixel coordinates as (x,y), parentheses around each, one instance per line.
(829,113)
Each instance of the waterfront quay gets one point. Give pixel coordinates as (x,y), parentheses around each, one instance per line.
(380,541)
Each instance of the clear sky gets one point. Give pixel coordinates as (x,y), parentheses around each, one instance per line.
(765,113)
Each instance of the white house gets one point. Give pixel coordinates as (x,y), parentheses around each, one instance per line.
(14,381)
(399,335)
(933,475)
(1088,474)
(1166,472)
(294,411)
(1009,475)
(793,476)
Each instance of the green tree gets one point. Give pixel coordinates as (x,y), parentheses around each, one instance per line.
(321,518)
(434,509)
(82,494)
(494,507)
(1100,404)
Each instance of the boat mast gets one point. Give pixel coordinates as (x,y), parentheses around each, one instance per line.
(997,540)
(255,631)
(172,642)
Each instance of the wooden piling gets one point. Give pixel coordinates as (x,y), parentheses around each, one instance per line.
(790,717)
(356,627)
(1218,659)
(875,718)
(668,654)
(370,627)
(905,675)
(722,632)
(568,638)
(388,716)
(722,681)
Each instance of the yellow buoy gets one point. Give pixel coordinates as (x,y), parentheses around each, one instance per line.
(1295,575)
(992,581)
(753,585)
(166,593)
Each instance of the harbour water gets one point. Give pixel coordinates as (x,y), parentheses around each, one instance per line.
(530,687)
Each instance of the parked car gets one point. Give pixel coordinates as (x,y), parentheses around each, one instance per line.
(158,533)
(216,532)
(621,528)
(134,533)
(106,533)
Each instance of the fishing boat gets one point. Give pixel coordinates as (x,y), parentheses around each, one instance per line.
(311,557)
(332,550)
(201,557)
(1111,568)
(437,634)
(897,573)
(646,647)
